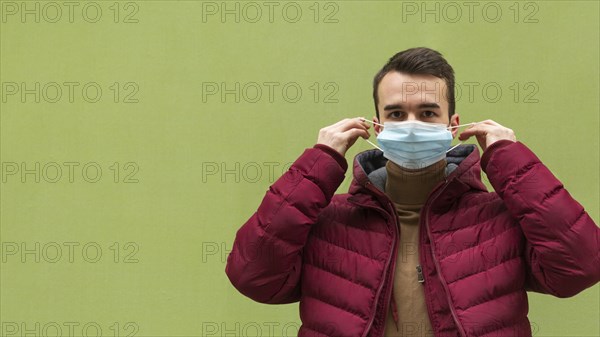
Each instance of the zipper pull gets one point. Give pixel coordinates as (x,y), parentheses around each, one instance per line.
(420,277)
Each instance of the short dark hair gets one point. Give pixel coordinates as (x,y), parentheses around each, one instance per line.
(419,61)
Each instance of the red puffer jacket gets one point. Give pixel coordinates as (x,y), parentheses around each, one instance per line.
(480,251)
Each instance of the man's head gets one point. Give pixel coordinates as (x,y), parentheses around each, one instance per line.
(415,84)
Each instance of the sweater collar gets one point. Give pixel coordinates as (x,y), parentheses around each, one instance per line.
(411,187)
(462,167)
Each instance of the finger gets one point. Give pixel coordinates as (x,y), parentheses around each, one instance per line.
(352,134)
(363,122)
(464,136)
(490,122)
(335,125)
(478,129)
(371,122)
(353,123)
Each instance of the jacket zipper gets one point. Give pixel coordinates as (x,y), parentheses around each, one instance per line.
(387,263)
(420,277)
(437,265)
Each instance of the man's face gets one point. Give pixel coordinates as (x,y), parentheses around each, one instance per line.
(404,97)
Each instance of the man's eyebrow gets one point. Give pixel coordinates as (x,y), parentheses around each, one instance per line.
(393,107)
(429,105)
(421,106)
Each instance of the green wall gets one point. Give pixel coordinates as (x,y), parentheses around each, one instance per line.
(154,129)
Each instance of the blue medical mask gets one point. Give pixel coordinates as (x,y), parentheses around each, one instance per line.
(414,144)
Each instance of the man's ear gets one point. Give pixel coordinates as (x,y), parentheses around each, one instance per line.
(376,127)
(454,121)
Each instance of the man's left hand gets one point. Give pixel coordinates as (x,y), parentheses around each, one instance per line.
(487,133)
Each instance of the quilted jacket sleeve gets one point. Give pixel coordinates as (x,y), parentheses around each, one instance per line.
(563,242)
(266,259)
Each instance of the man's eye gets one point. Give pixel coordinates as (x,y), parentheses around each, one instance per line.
(395,114)
(429,114)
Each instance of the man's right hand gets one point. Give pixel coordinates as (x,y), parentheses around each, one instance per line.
(342,135)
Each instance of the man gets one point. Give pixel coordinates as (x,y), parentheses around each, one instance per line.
(418,247)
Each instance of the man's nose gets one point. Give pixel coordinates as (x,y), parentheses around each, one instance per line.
(411,117)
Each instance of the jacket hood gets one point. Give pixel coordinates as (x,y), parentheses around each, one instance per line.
(462,168)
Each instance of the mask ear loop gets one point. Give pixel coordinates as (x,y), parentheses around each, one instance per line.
(458,126)
(368,121)
(368,141)
(454,147)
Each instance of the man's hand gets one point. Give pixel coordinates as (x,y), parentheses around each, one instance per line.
(487,133)
(342,135)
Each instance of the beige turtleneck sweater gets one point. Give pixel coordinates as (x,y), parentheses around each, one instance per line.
(408,190)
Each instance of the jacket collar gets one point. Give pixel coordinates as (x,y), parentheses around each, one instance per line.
(463,171)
